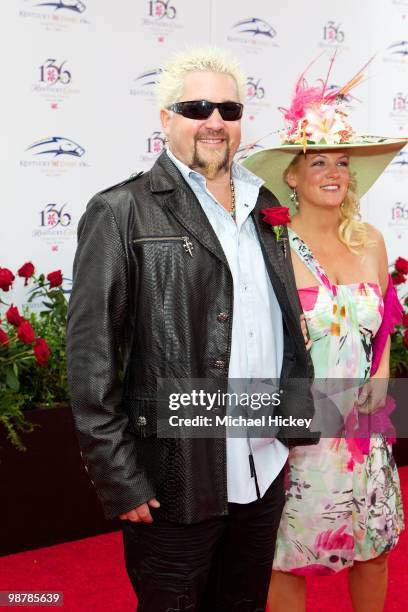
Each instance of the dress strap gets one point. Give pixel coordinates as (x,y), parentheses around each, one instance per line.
(306,256)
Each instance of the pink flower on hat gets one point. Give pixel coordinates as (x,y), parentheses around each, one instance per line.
(325,123)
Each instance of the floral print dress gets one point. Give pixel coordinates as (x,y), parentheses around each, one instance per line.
(342,504)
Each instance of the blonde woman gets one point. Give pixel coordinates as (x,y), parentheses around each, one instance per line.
(343,504)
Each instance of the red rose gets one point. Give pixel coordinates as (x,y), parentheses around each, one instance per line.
(397,278)
(26,271)
(41,351)
(6,279)
(405,338)
(4,339)
(55,278)
(13,316)
(25,332)
(279,215)
(405,320)
(401,265)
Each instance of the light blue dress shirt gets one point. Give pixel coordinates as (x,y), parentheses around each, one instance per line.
(257,330)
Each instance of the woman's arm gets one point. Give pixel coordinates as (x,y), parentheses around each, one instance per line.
(380,258)
(373,395)
(383,370)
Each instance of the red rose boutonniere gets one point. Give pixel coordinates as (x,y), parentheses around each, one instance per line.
(277,217)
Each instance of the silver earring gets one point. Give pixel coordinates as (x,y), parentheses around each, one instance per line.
(294,197)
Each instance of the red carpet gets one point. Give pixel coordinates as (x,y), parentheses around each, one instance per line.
(91,575)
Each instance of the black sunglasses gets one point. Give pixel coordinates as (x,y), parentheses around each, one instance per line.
(202,109)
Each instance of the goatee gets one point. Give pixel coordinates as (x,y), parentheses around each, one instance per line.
(219,160)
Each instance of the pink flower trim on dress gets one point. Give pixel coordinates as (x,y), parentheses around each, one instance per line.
(392,316)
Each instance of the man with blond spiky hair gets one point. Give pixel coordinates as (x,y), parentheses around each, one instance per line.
(177,277)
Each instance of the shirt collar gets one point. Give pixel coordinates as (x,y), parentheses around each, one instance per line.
(238,172)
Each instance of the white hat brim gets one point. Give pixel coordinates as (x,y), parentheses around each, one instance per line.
(368,161)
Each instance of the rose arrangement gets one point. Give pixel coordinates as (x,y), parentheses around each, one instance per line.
(399,339)
(32,349)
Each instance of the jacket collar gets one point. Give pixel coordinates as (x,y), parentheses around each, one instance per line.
(165,178)
(164,175)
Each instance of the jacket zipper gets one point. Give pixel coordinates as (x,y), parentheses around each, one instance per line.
(187,244)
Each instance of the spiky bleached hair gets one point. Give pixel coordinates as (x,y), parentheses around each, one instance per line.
(196,59)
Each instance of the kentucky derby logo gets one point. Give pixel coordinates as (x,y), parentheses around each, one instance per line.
(398,220)
(399,112)
(51,216)
(56,146)
(54,82)
(256,99)
(54,14)
(161,10)
(399,165)
(399,49)
(69,5)
(162,19)
(54,228)
(399,213)
(333,33)
(255,91)
(333,36)
(397,53)
(145,82)
(400,103)
(401,6)
(52,73)
(253,33)
(155,143)
(54,155)
(254,27)
(401,159)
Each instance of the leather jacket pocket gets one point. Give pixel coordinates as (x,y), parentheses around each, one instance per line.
(184,241)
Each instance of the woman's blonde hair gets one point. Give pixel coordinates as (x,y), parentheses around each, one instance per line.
(352,231)
(196,59)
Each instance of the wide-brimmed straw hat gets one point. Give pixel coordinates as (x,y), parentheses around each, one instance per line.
(317,121)
(367,160)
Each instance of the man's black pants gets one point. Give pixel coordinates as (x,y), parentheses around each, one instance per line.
(220,565)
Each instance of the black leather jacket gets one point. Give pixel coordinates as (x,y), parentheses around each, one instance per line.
(141,304)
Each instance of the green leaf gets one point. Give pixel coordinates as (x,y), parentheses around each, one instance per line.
(34,295)
(12,380)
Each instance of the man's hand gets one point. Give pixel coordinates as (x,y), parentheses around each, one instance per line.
(308,342)
(141,514)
